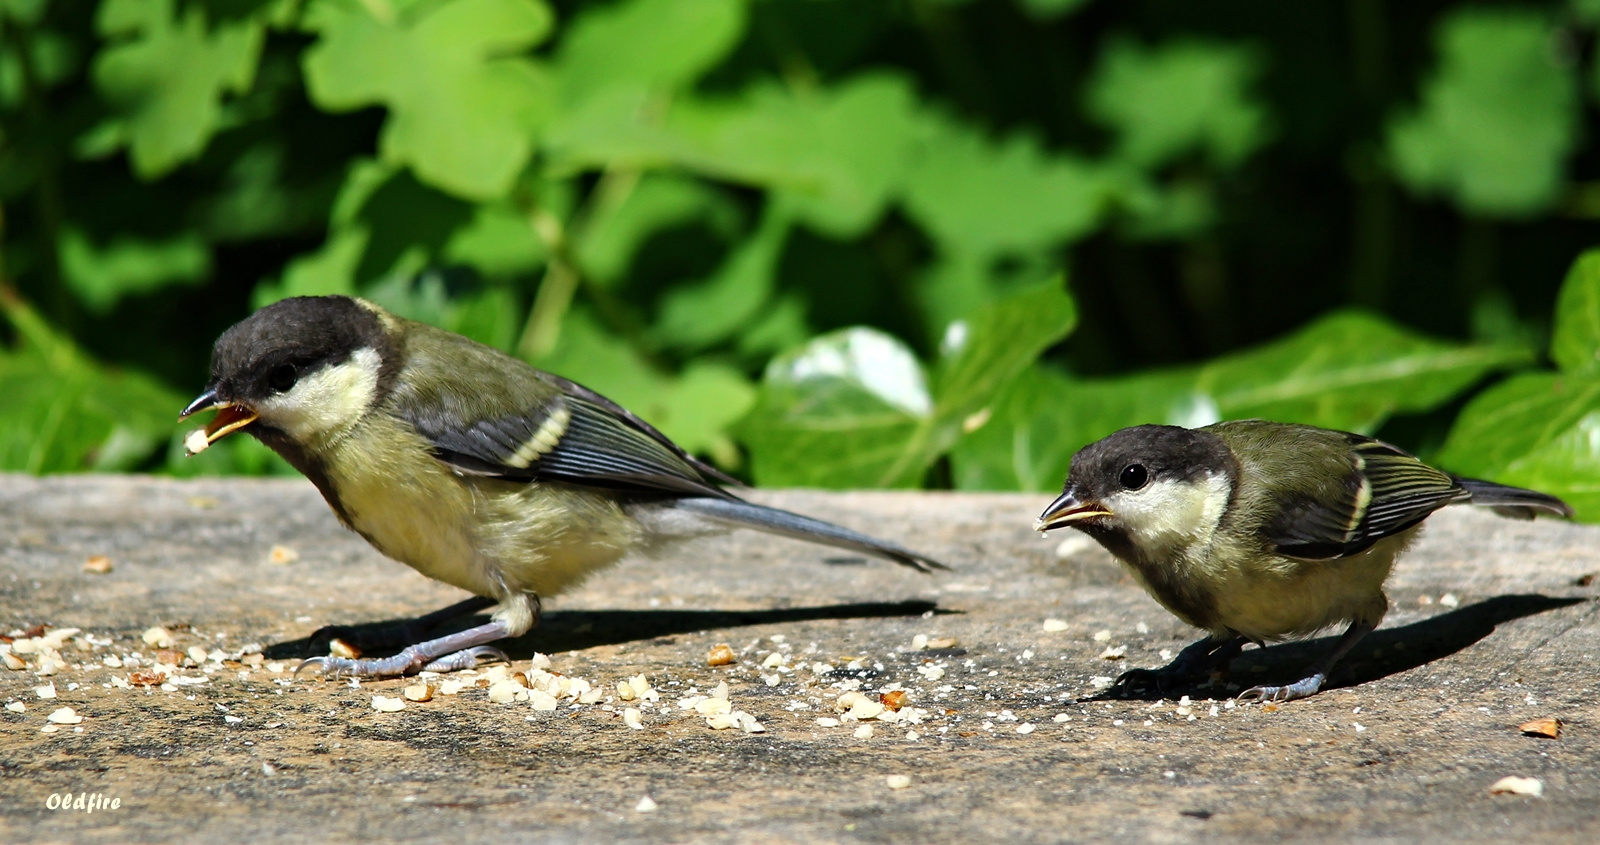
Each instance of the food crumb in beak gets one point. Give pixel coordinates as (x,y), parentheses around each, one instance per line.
(196,442)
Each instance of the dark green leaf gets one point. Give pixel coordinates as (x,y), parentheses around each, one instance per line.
(1498,117)
(1176,98)
(1576,344)
(168,75)
(129,267)
(1537,430)
(464,105)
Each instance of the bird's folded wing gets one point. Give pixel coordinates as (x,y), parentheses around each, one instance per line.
(1388,491)
(568,434)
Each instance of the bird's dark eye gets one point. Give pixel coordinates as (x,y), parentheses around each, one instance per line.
(282,377)
(1134,476)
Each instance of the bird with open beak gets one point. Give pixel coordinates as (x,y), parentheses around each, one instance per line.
(468,465)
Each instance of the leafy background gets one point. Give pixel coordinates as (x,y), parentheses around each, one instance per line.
(841,243)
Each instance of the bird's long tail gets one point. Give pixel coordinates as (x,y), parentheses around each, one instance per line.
(1514,502)
(774,521)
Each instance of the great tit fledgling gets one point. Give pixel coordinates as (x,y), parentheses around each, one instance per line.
(1260,531)
(468,465)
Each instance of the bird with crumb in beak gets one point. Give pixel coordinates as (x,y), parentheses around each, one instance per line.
(469,466)
(1260,531)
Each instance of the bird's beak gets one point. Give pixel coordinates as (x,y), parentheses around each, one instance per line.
(1067,509)
(230,416)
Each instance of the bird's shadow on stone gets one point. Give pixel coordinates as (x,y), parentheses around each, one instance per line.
(574,630)
(1384,652)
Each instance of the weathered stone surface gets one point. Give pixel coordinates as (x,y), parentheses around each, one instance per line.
(1422,721)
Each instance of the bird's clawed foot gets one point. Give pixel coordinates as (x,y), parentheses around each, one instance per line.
(407,662)
(1303,688)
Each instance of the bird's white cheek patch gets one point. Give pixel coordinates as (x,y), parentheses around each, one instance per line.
(327,402)
(1172,514)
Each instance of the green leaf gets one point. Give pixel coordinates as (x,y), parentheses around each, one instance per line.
(852,409)
(839,155)
(606,246)
(695,407)
(1348,371)
(101,277)
(699,315)
(1536,430)
(979,198)
(650,43)
(167,74)
(63,412)
(1498,118)
(464,105)
(838,412)
(499,241)
(1181,97)
(1576,344)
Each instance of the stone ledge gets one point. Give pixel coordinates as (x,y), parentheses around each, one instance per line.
(1422,720)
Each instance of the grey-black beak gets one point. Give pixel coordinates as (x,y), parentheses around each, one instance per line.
(1067,509)
(206,401)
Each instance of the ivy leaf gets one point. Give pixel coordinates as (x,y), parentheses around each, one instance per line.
(697,316)
(166,75)
(1576,344)
(852,408)
(649,43)
(982,198)
(464,106)
(101,277)
(1536,430)
(606,247)
(1498,116)
(1184,96)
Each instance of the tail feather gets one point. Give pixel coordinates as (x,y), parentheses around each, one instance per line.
(1514,502)
(784,523)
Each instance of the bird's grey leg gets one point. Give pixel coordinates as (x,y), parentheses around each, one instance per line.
(461,650)
(401,634)
(1196,660)
(1318,673)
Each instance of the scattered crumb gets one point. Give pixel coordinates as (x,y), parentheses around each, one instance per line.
(1075,544)
(898,781)
(1513,785)
(941,643)
(418,692)
(1449,600)
(1052,626)
(645,805)
(1025,728)
(340,648)
(97,565)
(633,718)
(385,704)
(864,732)
(16,707)
(1103,635)
(282,555)
(158,637)
(894,700)
(1114,653)
(46,691)
(1546,727)
(64,716)
(721,655)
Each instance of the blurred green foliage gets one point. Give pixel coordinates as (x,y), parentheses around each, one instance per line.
(827,242)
